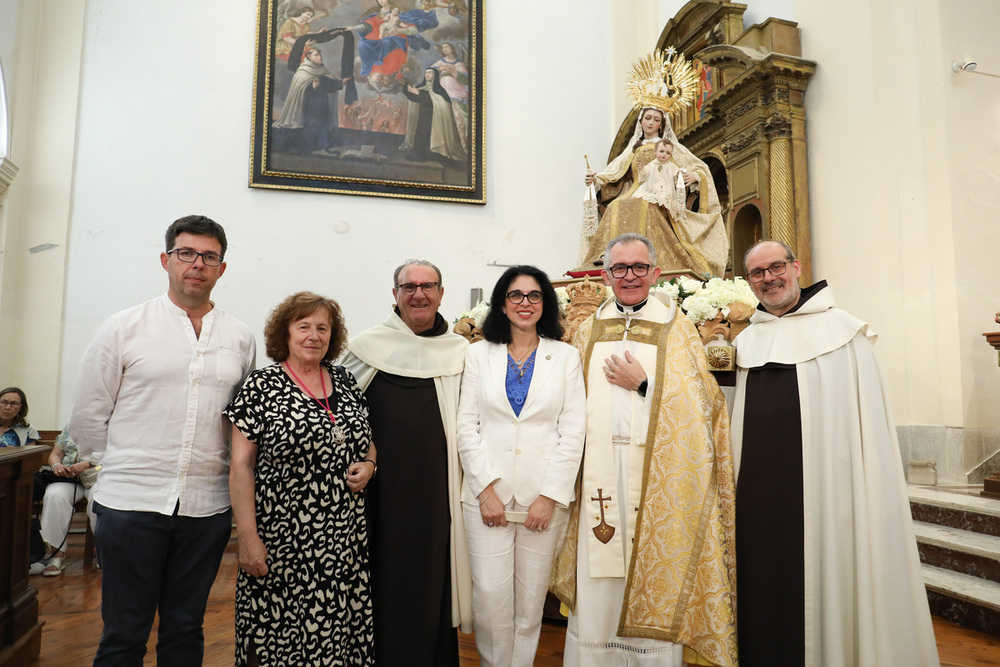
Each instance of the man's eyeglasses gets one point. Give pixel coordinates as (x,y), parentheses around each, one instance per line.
(189,256)
(411,288)
(10,404)
(776,269)
(516,296)
(620,270)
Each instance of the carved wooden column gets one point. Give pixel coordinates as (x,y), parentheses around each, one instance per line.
(777,131)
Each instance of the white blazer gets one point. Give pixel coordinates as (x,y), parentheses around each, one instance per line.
(537,453)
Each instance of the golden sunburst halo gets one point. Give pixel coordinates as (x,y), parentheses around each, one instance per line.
(662,80)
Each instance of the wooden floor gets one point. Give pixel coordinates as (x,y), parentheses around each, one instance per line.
(70,606)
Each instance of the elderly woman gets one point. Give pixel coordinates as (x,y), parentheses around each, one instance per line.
(521,423)
(60,498)
(14,427)
(684,239)
(302,455)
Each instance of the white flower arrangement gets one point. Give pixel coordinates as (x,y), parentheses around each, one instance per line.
(564,299)
(710,299)
(477,314)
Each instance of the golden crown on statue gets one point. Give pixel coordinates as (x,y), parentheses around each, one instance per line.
(662,80)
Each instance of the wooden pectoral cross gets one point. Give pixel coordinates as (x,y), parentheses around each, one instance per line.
(603,531)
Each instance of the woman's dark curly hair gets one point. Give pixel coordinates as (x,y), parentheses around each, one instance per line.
(496,328)
(293,309)
(22,414)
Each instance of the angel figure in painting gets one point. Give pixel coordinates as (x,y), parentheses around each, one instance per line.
(454,7)
(295,25)
(683,238)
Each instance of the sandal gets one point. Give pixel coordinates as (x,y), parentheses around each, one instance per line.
(54,568)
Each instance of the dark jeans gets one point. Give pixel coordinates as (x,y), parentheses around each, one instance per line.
(152,562)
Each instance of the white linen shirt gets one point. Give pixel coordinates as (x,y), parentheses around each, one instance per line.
(148,407)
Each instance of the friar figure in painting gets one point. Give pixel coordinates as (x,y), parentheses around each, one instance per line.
(310,107)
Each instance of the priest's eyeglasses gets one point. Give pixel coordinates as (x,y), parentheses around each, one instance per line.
(189,256)
(411,288)
(516,296)
(776,269)
(620,270)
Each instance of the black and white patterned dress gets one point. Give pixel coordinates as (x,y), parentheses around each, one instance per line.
(314,605)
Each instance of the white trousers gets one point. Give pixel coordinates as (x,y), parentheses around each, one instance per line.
(510,577)
(57,511)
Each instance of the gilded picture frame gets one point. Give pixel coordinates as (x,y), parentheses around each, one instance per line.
(370,97)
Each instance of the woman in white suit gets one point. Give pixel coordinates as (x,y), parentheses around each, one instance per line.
(521,424)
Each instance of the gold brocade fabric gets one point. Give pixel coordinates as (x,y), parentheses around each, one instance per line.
(681,580)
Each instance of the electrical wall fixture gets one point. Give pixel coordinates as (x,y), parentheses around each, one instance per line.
(969,66)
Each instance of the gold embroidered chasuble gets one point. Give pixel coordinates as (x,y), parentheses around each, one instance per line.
(678,551)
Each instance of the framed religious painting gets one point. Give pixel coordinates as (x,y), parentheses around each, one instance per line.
(370,97)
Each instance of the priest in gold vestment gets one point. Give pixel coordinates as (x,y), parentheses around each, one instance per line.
(648,567)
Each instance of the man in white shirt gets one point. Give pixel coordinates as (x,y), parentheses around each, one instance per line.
(148,407)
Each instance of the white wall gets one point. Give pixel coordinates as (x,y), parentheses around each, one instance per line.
(44,76)
(164,131)
(903,159)
(972,107)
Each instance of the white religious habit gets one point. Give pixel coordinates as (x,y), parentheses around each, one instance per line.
(865,603)
(392,347)
(657,474)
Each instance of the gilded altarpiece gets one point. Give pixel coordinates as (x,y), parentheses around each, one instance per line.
(749,124)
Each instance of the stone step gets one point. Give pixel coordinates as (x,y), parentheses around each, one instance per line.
(962,551)
(965,541)
(961,510)
(966,600)
(962,586)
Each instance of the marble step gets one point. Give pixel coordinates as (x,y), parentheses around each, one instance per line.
(962,551)
(964,511)
(965,541)
(969,601)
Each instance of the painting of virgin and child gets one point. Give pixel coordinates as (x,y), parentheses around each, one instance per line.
(361,98)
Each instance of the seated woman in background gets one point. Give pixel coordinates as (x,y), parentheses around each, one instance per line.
(60,498)
(15,430)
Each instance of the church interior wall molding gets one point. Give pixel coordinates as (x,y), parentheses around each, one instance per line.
(8,170)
